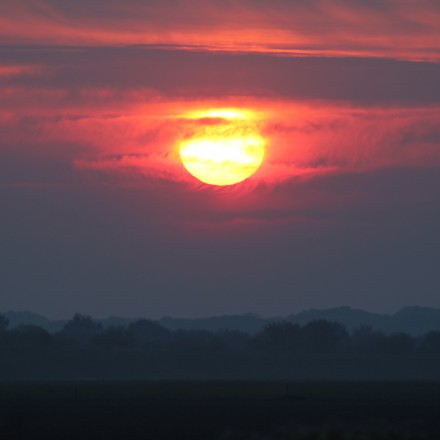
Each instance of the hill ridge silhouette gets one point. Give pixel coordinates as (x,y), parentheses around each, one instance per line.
(414,320)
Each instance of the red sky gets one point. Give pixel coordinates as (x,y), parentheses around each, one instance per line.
(99,215)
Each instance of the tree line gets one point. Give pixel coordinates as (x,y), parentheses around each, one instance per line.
(83,348)
(319,336)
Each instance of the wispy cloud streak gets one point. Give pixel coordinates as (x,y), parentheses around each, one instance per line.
(393,28)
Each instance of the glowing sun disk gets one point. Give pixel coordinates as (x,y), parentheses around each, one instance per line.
(224,153)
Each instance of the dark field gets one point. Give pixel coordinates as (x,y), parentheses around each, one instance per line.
(220,410)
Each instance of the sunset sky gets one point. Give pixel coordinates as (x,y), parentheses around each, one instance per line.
(98,214)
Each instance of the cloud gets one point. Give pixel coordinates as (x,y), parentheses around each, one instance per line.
(394,28)
(153,73)
(314,138)
(8,71)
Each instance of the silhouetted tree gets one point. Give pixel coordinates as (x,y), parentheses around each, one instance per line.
(188,340)
(29,337)
(430,343)
(146,331)
(234,339)
(114,337)
(4,323)
(366,340)
(81,328)
(399,343)
(324,336)
(279,336)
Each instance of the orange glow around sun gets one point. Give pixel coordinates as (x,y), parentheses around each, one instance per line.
(225,149)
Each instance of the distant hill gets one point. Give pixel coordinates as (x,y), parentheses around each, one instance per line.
(413,320)
(352,318)
(28,318)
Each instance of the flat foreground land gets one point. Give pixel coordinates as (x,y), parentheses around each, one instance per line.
(220,410)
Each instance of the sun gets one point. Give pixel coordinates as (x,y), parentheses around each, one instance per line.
(225,147)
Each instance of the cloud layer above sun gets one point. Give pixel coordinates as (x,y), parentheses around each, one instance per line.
(396,28)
